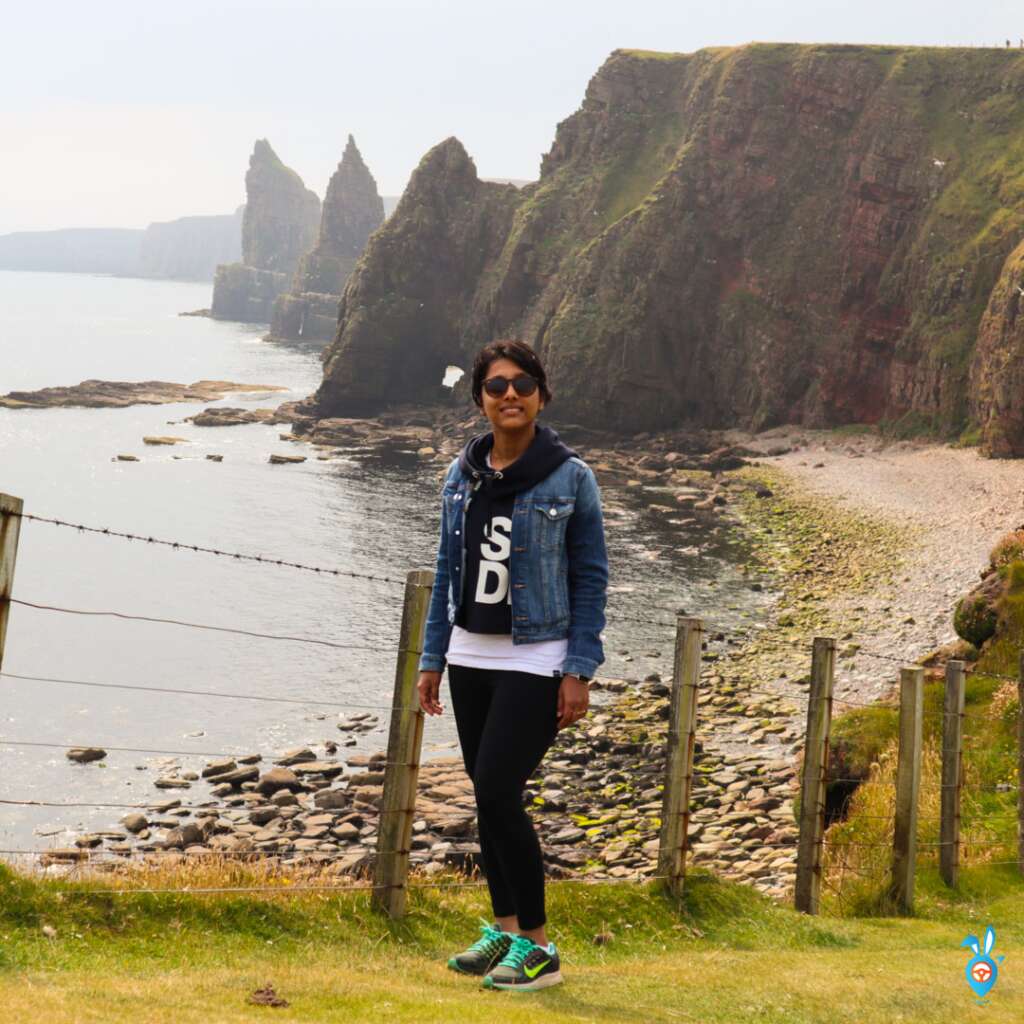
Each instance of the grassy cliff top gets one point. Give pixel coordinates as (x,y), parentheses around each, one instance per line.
(791,49)
(725,954)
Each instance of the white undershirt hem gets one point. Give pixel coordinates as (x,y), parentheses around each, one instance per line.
(496,651)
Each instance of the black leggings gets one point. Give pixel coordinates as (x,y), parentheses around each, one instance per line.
(506,722)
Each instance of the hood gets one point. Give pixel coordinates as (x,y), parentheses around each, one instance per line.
(545,454)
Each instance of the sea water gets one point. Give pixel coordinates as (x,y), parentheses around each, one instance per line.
(368,511)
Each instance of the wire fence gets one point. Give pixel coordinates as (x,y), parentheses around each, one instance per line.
(287,846)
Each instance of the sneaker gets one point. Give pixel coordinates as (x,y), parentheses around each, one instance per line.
(526,967)
(492,945)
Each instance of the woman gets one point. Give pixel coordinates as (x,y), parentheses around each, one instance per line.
(516,612)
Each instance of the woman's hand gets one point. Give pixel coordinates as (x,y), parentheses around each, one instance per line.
(429,685)
(573,700)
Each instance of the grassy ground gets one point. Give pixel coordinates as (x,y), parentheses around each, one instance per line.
(726,955)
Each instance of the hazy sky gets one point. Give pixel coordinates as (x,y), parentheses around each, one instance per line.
(116,114)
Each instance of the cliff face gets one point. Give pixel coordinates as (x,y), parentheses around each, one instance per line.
(190,248)
(279,224)
(399,314)
(997,369)
(352,211)
(186,249)
(819,234)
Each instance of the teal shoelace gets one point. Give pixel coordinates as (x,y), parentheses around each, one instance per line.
(518,952)
(488,941)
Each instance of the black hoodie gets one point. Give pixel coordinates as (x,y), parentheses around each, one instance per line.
(486,605)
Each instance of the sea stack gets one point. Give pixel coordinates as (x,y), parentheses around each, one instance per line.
(279,225)
(352,211)
(449,226)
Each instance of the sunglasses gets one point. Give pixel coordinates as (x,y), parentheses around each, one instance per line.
(524,385)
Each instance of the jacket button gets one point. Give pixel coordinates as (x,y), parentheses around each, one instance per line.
(551,512)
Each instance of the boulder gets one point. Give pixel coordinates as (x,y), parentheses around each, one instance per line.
(331,798)
(238,776)
(172,782)
(83,755)
(346,832)
(977,613)
(215,768)
(135,822)
(296,755)
(182,836)
(277,778)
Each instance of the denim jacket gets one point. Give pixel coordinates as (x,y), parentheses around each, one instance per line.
(558,566)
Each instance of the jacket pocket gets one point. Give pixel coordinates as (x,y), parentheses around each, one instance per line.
(550,521)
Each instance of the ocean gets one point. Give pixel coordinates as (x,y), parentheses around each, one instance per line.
(370,511)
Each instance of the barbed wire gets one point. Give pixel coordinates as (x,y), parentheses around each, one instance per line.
(839,843)
(199,625)
(269,560)
(618,616)
(212,780)
(75,856)
(862,782)
(807,645)
(205,693)
(4,742)
(287,889)
(185,546)
(997,863)
(155,806)
(856,703)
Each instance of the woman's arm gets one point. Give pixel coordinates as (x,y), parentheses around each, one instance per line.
(588,579)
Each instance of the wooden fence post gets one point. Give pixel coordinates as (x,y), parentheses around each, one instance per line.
(1020,765)
(952,769)
(908,781)
(812,783)
(675,802)
(10,527)
(405,739)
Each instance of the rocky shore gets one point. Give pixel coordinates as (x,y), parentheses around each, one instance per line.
(108,394)
(597,797)
(596,800)
(917,519)
(842,542)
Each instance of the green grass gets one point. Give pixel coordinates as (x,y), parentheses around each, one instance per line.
(725,954)
(865,745)
(655,55)
(634,175)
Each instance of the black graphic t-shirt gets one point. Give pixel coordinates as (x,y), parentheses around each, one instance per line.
(487,603)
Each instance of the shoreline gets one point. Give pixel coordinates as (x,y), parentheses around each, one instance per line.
(927,514)
(849,550)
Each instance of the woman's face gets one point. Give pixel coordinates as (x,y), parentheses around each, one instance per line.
(510,411)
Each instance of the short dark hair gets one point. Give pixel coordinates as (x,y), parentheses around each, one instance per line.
(521,354)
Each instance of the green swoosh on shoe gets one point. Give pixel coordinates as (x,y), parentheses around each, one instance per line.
(532,972)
